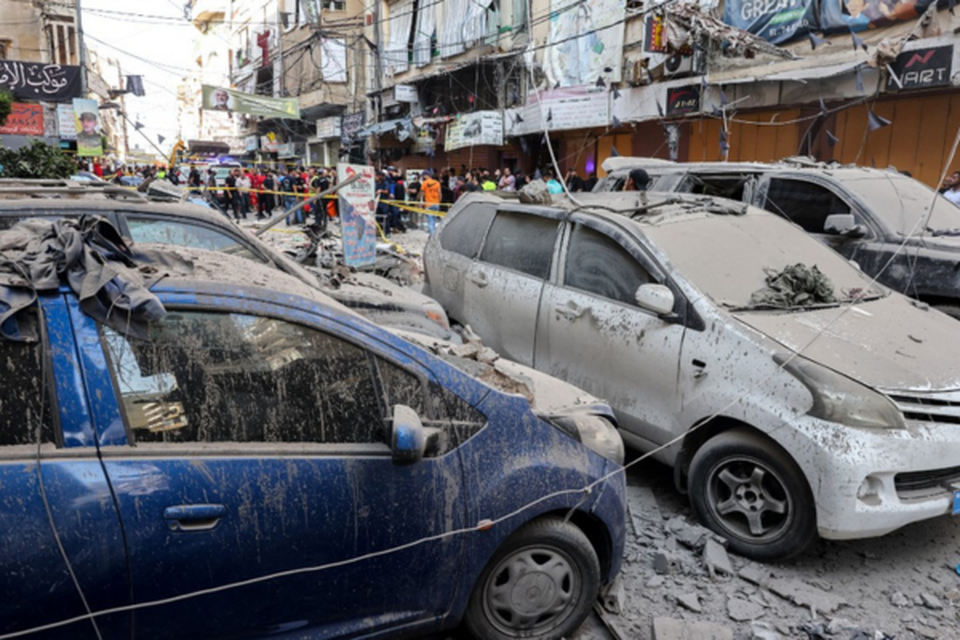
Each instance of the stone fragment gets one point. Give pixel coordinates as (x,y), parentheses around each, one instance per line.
(953,595)
(715,558)
(760,630)
(897,599)
(655,582)
(931,601)
(742,610)
(924,631)
(673,629)
(803,595)
(688,534)
(644,510)
(690,601)
(755,574)
(664,563)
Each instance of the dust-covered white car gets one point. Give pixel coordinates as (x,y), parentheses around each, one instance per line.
(792,400)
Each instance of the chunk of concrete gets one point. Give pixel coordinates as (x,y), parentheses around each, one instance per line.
(931,601)
(673,629)
(715,558)
(665,563)
(742,610)
(760,630)
(688,534)
(755,574)
(690,601)
(803,595)
(644,510)
(898,599)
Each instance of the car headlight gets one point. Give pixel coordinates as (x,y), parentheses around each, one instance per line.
(593,431)
(839,399)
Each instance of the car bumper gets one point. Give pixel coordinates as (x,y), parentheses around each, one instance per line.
(867,483)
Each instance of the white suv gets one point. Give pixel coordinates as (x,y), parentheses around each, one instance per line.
(784,421)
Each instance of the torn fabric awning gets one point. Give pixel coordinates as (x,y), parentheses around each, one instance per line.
(795,71)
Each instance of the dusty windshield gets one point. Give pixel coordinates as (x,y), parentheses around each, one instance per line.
(900,202)
(730,257)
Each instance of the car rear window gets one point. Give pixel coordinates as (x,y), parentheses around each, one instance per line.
(180,234)
(464,232)
(25,405)
(521,241)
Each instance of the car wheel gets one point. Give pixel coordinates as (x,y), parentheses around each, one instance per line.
(747,489)
(541,583)
(951,310)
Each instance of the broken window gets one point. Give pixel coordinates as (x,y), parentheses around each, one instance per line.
(165,231)
(724,186)
(597,264)
(523,242)
(212,377)
(803,203)
(25,407)
(463,233)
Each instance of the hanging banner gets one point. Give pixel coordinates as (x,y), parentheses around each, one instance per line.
(481,127)
(222,99)
(573,59)
(358,215)
(561,109)
(776,21)
(350,126)
(24,120)
(66,122)
(38,81)
(857,15)
(89,142)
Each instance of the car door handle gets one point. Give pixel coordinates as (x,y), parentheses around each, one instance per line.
(479,279)
(571,310)
(194,517)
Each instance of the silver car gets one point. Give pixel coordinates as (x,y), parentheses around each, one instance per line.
(836,416)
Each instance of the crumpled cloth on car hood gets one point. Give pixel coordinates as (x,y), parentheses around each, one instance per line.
(87,253)
(795,286)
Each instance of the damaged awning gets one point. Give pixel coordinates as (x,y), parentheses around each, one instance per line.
(379,128)
(795,71)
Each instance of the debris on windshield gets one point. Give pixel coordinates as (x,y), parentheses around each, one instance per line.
(795,286)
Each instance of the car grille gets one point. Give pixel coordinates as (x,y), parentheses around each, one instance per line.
(925,480)
(940,407)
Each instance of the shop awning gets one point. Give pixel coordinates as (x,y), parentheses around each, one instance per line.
(791,71)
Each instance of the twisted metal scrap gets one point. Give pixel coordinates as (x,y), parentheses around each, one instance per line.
(737,41)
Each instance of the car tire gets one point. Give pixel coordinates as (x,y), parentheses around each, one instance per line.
(750,491)
(541,584)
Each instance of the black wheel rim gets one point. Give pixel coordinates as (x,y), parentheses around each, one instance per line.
(532,591)
(749,499)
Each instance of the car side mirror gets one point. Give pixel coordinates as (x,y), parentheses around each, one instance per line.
(843,224)
(408,439)
(655,297)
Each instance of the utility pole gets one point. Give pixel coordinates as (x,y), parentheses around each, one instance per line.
(82,52)
(123,109)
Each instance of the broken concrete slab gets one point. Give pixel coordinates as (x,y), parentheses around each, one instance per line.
(760,630)
(897,599)
(804,595)
(715,559)
(673,629)
(665,563)
(644,510)
(690,601)
(931,601)
(690,535)
(742,610)
(755,574)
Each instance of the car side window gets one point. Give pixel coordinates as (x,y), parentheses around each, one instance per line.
(187,235)
(25,403)
(521,241)
(224,377)
(463,233)
(803,203)
(598,264)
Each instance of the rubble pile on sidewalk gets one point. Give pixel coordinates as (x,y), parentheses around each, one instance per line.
(679,582)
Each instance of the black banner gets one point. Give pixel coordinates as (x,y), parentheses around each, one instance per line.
(922,68)
(350,124)
(39,81)
(683,100)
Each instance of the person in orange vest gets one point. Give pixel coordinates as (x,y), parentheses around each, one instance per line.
(430,192)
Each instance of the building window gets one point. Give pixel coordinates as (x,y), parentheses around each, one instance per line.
(333,5)
(5,49)
(63,43)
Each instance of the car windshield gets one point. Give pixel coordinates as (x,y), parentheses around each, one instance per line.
(901,202)
(729,257)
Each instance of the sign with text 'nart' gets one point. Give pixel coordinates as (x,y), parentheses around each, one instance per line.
(922,68)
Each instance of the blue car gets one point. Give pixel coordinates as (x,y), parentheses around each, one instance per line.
(264,462)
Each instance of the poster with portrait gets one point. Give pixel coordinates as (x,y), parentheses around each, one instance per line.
(859,15)
(358,220)
(87,119)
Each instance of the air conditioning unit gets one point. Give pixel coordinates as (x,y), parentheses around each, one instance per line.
(680,64)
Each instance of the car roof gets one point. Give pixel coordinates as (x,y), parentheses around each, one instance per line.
(622,164)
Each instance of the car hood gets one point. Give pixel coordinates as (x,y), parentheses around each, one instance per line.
(888,343)
(548,396)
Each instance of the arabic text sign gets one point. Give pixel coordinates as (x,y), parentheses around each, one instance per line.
(38,81)
(66,122)
(571,108)
(358,215)
(482,127)
(222,99)
(24,120)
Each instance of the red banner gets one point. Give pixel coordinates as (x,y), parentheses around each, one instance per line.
(24,120)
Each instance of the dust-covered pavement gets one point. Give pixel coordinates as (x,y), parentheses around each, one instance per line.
(903,585)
